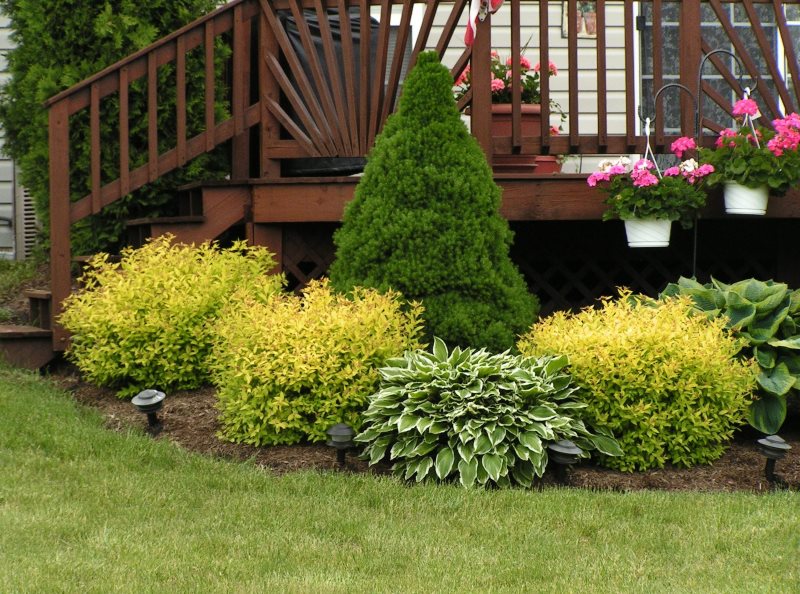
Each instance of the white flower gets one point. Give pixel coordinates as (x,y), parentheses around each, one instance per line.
(689,165)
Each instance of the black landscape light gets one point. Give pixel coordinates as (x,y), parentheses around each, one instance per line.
(773,448)
(564,453)
(150,402)
(341,438)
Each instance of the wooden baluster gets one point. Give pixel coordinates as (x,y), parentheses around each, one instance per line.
(94,146)
(60,258)
(124,135)
(152,117)
(602,83)
(210,85)
(180,99)
(481,86)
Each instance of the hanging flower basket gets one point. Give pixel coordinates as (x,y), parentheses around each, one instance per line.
(742,200)
(647,233)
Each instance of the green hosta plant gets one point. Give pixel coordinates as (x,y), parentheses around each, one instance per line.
(475,417)
(767,316)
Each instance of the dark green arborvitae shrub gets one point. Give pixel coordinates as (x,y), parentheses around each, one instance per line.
(425,221)
(58,44)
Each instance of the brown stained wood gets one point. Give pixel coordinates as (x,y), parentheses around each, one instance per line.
(240,146)
(124,141)
(239,59)
(210,89)
(363,84)
(381,53)
(453,21)
(789,49)
(323,144)
(516,91)
(481,90)
(270,236)
(294,130)
(630,86)
(268,91)
(572,75)
(544,86)
(769,55)
(602,86)
(309,103)
(397,61)
(152,119)
(744,55)
(350,80)
(94,127)
(334,81)
(180,100)
(321,80)
(60,256)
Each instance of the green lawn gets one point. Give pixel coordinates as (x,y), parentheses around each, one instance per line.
(83,509)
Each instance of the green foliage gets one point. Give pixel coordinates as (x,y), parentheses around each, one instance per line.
(474,417)
(145,322)
(738,159)
(667,383)
(58,45)
(767,316)
(425,222)
(287,368)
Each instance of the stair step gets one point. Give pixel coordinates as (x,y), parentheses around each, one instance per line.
(188,219)
(39,303)
(26,346)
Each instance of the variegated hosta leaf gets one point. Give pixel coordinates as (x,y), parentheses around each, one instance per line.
(473,416)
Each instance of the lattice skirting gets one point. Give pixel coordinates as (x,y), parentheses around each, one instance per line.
(571,264)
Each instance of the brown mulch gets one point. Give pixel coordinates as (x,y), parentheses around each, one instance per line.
(190,421)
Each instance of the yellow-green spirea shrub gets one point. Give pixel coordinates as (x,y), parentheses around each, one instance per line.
(665,381)
(288,367)
(144,322)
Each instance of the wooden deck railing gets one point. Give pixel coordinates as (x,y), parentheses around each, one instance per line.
(303,93)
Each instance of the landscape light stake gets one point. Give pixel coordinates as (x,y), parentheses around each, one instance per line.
(150,402)
(773,448)
(341,438)
(564,453)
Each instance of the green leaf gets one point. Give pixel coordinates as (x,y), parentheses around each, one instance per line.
(468,472)
(556,364)
(787,343)
(531,441)
(483,444)
(606,445)
(497,435)
(376,453)
(444,462)
(521,451)
(522,472)
(466,451)
(542,413)
(740,312)
(765,356)
(439,349)
(438,427)
(423,468)
(762,330)
(776,381)
(768,413)
(406,422)
(492,464)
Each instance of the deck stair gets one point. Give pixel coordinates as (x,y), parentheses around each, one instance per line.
(30,346)
(205,211)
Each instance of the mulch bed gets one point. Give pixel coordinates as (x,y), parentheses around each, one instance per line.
(190,421)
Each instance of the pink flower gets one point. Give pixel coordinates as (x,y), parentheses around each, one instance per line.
(787,135)
(617,169)
(645,179)
(498,85)
(524,63)
(554,131)
(683,144)
(673,171)
(745,107)
(598,176)
(643,165)
(725,137)
(553,69)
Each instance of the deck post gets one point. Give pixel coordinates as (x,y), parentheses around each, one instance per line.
(481,109)
(690,53)
(267,88)
(60,257)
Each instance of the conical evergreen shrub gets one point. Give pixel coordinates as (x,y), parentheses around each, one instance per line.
(425,221)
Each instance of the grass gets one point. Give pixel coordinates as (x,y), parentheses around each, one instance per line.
(83,509)
(13,274)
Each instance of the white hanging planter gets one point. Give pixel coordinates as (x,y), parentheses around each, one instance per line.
(644,233)
(742,200)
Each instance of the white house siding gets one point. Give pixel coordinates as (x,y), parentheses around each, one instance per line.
(7,190)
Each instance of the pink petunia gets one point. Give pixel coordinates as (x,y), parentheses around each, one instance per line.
(683,144)
(745,107)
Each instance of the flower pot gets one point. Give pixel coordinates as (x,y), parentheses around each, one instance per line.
(548,164)
(740,199)
(531,125)
(648,232)
(590,18)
